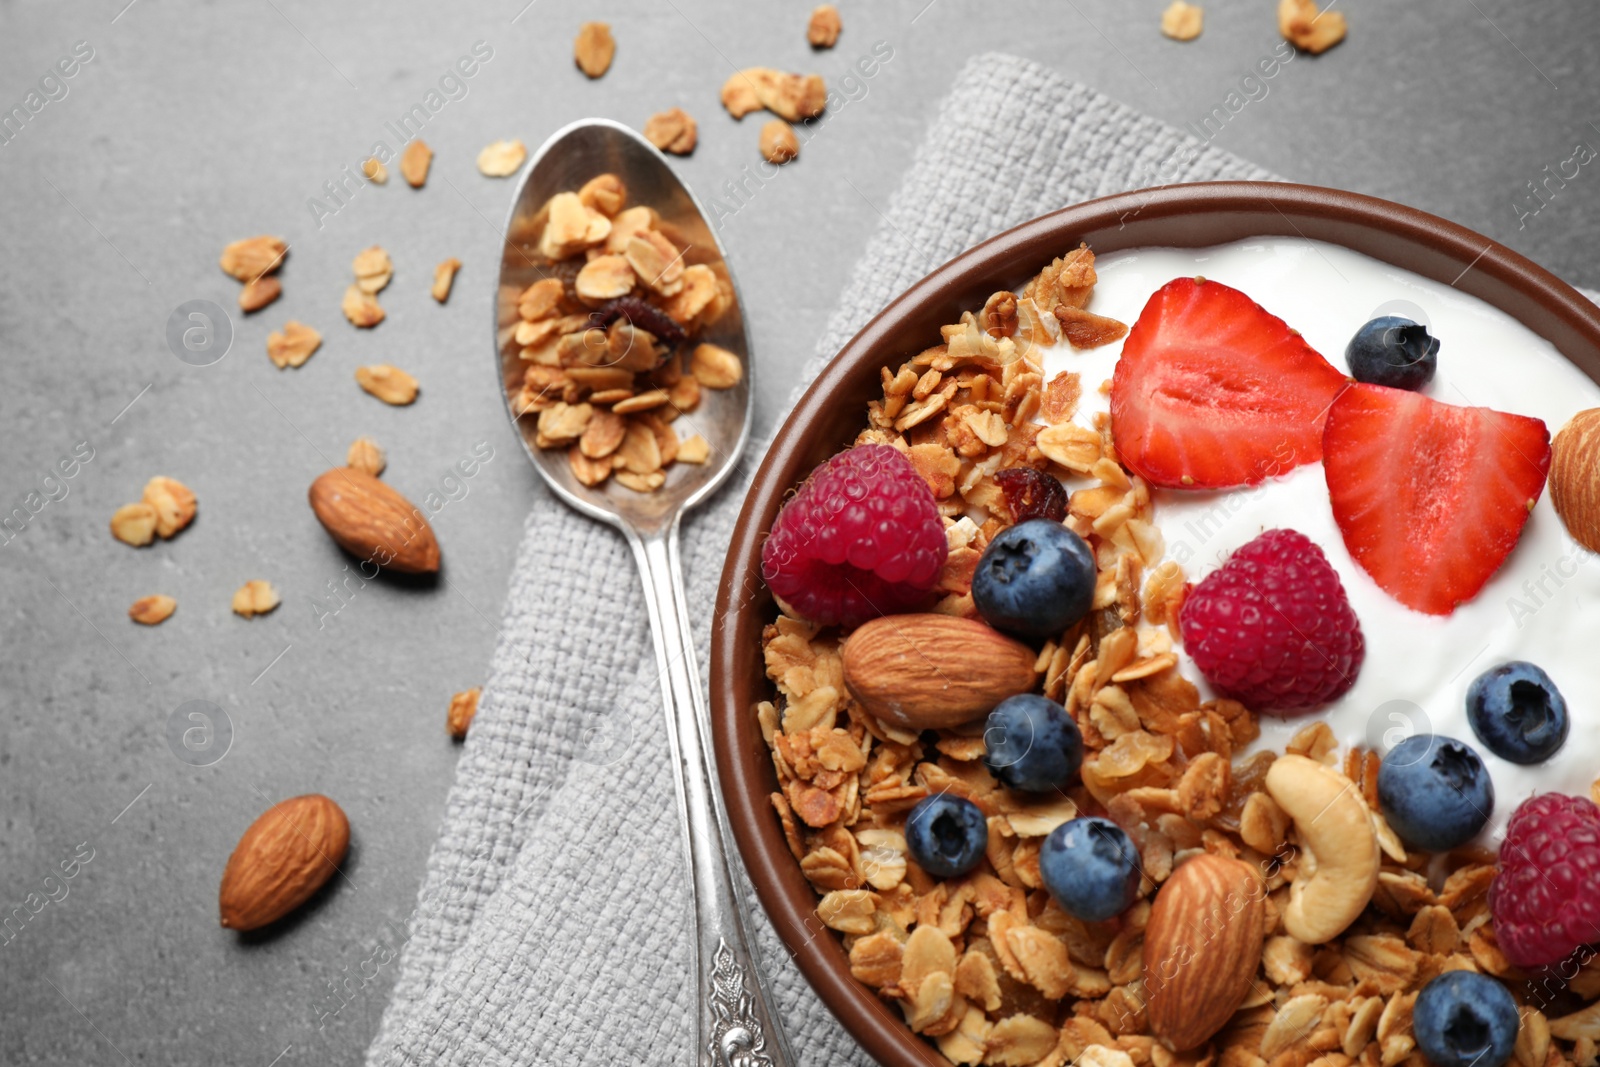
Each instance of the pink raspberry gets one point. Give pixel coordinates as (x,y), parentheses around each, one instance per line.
(861,538)
(1272,628)
(1546,898)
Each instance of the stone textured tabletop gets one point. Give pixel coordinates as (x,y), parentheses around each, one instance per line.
(184,126)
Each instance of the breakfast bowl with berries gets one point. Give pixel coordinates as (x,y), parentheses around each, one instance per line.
(1162,636)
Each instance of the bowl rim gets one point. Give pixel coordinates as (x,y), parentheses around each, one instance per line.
(1195,215)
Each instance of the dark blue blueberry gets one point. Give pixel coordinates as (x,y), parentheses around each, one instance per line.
(1032,744)
(946,835)
(1393,351)
(1465,1019)
(1435,792)
(1035,579)
(1517,712)
(1091,868)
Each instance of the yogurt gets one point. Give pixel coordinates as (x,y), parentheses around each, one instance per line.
(1542,606)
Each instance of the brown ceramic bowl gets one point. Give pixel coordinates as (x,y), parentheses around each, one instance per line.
(833,411)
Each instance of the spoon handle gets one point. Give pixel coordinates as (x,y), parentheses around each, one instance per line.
(735,1024)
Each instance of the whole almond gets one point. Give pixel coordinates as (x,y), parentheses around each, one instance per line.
(927,672)
(1575,477)
(370,520)
(282,860)
(1202,946)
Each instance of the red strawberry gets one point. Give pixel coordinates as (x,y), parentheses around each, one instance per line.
(1213,390)
(1430,497)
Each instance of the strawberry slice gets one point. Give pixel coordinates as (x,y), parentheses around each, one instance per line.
(1430,497)
(1213,390)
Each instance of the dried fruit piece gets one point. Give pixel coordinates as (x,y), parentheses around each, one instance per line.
(375,171)
(1181,21)
(499,159)
(715,367)
(594,48)
(259,293)
(255,597)
(1084,329)
(778,142)
(414,163)
(372,521)
(373,269)
(444,276)
(389,384)
(1032,494)
(134,524)
(1307,28)
(366,456)
(293,346)
(360,308)
(463,706)
(174,503)
(672,131)
(823,29)
(282,860)
(252,257)
(152,610)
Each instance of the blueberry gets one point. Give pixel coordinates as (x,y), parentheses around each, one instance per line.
(946,835)
(1435,792)
(1035,579)
(1393,351)
(1465,1019)
(1032,744)
(1091,868)
(1517,712)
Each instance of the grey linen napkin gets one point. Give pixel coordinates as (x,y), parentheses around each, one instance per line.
(551,926)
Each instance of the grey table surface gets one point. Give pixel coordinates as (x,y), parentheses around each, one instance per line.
(195,124)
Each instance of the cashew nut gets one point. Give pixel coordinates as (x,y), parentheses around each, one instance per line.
(1339,868)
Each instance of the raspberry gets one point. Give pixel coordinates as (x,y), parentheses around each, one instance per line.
(861,538)
(1272,627)
(1546,898)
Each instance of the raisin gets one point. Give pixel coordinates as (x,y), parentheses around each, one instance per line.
(1032,494)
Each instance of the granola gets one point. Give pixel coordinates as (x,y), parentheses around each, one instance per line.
(608,336)
(987,966)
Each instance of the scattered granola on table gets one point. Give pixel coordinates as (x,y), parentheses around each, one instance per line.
(463,706)
(594,48)
(255,597)
(152,610)
(673,130)
(608,336)
(778,142)
(987,964)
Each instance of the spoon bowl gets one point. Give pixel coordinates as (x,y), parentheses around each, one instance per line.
(734,1022)
(573,155)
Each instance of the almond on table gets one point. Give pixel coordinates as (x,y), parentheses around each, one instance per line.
(293,345)
(444,276)
(389,384)
(255,597)
(152,610)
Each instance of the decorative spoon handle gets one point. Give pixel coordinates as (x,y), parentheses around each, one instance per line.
(735,1023)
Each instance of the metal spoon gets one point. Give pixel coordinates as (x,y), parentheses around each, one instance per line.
(736,1024)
